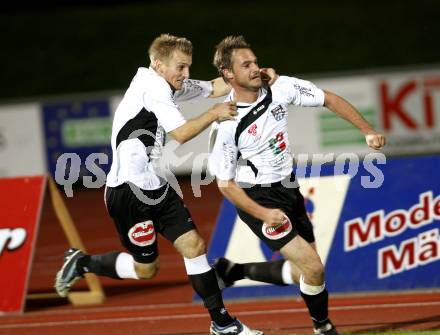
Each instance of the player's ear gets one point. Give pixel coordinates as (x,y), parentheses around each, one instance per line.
(157,65)
(228,74)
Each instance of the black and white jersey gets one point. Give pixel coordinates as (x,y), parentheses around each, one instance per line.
(146,113)
(254,148)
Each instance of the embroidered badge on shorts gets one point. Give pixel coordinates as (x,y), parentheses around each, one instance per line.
(275,233)
(142,233)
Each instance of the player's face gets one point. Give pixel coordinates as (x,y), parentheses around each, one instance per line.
(245,69)
(176,69)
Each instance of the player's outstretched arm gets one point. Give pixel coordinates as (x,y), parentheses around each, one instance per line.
(218,112)
(347,111)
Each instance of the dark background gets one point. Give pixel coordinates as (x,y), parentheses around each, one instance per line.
(79,46)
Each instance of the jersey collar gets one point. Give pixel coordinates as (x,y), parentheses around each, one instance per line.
(261,94)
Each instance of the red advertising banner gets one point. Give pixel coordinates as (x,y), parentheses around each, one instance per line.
(20,201)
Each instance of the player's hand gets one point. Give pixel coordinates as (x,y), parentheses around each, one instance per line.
(225,111)
(375,140)
(274,217)
(268,75)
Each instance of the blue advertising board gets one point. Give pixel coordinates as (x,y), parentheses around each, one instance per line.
(80,127)
(377,228)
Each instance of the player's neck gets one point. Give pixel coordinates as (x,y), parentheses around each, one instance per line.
(245,95)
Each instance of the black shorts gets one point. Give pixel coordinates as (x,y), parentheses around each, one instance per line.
(290,201)
(138,221)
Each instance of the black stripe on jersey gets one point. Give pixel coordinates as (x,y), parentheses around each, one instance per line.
(253,114)
(247,120)
(143,126)
(246,162)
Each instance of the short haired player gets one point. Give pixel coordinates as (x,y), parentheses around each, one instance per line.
(253,151)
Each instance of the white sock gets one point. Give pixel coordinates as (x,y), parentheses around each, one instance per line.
(310,289)
(196,265)
(286,273)
(125,266)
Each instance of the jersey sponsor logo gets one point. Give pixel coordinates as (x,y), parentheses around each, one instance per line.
(277,144)
(279,112)
(142,233)
(253,129)
(275,233)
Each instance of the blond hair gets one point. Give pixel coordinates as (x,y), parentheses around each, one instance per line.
(163,47)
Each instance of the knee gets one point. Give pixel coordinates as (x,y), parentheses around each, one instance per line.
(146,271)
(195,249)
(190,245)
(316,271)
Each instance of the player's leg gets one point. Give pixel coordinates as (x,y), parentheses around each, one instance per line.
(177,226)
(295,270)
(204,281)
(306,269)
(301,262)
(202,277)
(279,272)
(312,285)
(115,264)
(267,272)
(301,252)
(118,265)
(140,262)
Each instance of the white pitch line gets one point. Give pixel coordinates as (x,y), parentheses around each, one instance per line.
(204,315)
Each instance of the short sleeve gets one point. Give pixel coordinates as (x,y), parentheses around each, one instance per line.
(193,89)
(222,161)
(160,101)
(299,92)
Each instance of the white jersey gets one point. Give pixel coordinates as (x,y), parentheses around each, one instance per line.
(146,113)
(254,148)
